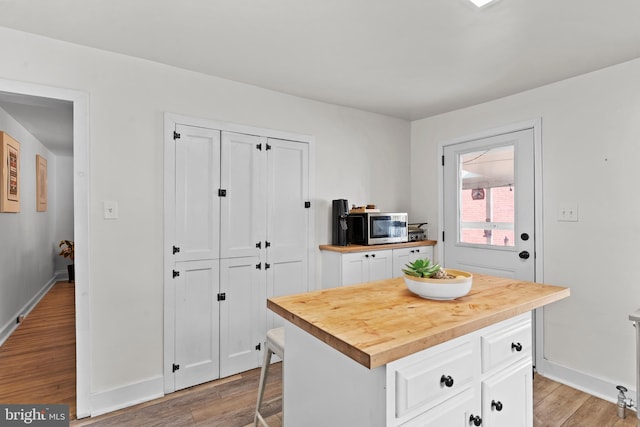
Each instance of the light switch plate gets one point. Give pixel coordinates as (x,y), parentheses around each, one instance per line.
(568,213)
(110,210)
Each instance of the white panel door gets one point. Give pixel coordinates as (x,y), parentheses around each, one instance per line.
(243,208)
(489,212)
(197,206)
(287,219)
(196,322)
(242,314)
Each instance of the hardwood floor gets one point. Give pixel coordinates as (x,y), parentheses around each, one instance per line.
(38,361)
(558,405)
(37,365)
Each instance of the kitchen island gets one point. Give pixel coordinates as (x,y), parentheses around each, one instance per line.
(374,354)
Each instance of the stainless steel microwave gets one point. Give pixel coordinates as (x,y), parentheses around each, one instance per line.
(374,228)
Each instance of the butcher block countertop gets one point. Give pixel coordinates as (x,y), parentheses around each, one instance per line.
(378,322)
(363,248)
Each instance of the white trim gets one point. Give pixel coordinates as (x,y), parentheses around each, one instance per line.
(81,185)
(536,125)
(170,122)
(125,396)
(234,127)
(584,382)
(12,325)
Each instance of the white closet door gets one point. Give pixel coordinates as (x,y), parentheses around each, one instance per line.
(242,314)
(243,208)
(196,323)
(287,219)
(197,206)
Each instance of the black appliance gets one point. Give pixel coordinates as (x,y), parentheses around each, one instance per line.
(374,228)
(339,214)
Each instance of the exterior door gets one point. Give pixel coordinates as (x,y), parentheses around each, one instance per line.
(287,220)
(489,205)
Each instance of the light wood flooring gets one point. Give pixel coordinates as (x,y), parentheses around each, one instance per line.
(37,365)
(38,361)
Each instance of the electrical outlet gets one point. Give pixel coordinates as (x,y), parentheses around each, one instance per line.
(110,210)
(568,213)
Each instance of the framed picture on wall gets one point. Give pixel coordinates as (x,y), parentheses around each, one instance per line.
(41,183)
(10,171)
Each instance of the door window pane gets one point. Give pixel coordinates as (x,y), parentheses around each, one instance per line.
(486,197)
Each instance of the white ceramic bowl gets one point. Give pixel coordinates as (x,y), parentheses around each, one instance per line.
(441,289)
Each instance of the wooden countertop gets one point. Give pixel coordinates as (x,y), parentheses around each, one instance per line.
(363,248)
(378,322)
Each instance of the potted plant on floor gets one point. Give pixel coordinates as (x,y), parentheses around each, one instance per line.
(67,251)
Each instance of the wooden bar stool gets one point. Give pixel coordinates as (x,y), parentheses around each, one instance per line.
(274,345)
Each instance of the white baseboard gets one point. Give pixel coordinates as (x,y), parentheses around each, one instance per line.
(128,395)
(587,383)
(62,275)
(7,329)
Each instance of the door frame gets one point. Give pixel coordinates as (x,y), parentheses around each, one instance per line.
(170,120)
(536,125)
(81,185)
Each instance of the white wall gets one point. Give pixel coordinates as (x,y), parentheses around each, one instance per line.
(63,197)
(27,249)
(591,150)
(360,156)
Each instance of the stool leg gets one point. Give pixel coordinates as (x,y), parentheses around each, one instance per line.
(263,377)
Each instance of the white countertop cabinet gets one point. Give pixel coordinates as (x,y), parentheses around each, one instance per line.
(374,263)
(402,257)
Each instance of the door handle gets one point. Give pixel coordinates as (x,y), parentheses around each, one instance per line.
(524,255)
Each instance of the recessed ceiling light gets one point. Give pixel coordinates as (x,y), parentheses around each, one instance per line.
(481,3)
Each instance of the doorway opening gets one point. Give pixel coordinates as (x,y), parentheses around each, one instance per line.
(81,183)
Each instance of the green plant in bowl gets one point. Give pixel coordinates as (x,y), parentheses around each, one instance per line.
(423,267)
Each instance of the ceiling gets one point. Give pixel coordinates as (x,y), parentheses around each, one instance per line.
(405,58)
(49,120)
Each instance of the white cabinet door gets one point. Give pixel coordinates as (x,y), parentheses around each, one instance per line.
(197,206)
(380,265)
(404,256)
(360,267)
(242,314)
(507,397)
(196,323)
(243,207)
(287,251)
(355,268)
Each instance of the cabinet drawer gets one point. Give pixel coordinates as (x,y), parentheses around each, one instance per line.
(453,412)
(506,345)
(431,380)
